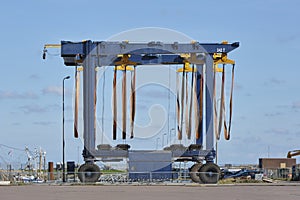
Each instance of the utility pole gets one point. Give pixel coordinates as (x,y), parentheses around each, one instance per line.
(63,131)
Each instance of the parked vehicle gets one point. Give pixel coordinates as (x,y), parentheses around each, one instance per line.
(240,174)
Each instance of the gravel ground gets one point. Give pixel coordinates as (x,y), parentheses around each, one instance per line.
(150,192)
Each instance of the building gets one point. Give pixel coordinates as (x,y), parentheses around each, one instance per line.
(277,167)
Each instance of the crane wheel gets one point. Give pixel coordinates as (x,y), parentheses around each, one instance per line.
(194,173)
(210,173)
(89,173)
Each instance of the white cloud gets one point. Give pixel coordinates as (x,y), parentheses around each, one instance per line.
(28,109)
(296,105)
(252,139)
(53,90)
(17,95)
(273,114)
(289,38)
(274,82)
(293,106)
(238,86)
(34,77)
(43,123)
(278,131)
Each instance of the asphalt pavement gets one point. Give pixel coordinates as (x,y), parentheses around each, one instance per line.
(151,192)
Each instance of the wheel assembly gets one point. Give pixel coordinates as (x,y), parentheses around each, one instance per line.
(209,173)
(194,173)
(88,173)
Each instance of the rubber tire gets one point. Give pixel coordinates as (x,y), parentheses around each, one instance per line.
(124,147)
(210,173)
(193,173)
(89,173)
(194,147)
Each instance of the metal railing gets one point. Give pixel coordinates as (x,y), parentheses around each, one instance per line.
(16,177)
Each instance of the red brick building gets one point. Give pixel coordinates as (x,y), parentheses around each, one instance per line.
(277,167)
(276,163)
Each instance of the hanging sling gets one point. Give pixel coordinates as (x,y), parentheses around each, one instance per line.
(115,104)
(227,131)
(132,102)
(179,135)
(124,106)
(191,104)
(77,93)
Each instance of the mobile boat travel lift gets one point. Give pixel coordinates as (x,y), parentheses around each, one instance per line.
(202,59)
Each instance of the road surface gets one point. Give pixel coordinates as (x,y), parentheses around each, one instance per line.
(144,192)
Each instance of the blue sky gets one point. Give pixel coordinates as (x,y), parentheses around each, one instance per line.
(266,97)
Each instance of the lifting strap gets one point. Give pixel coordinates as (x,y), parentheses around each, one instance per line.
(221,58)
(115,104)
(201,80)
(132,102)
(222,104)
(124,105)
(195,102)
(191,104)
(123,66)
(95,101)
(103,105)
(186,99)
(187,119)
(179,135)
(182,103)
(77,94)
(217,134)
(227,131)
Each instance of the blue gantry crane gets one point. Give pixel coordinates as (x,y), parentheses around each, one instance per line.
(199,59)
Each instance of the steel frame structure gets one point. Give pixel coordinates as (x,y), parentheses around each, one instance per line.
(92,54)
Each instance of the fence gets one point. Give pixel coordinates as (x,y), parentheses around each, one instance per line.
(282,173)
(26,177)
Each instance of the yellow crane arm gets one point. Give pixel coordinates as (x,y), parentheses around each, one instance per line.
(293,153)
(47,46)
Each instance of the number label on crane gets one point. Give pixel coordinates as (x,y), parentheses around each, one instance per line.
(221,50)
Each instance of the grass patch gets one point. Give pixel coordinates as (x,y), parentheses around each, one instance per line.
(111,171)
(233,181)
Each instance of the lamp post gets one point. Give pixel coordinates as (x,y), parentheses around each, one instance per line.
(172,129)
(163,139)
(157,139)
(63,131)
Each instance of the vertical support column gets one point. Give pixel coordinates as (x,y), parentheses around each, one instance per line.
(88,101)
(209,103)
